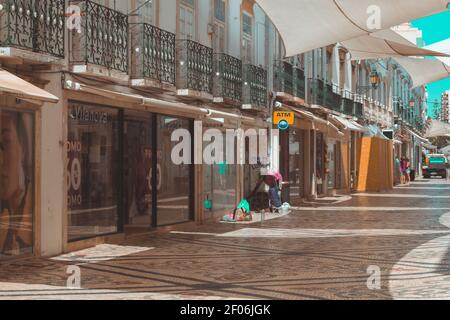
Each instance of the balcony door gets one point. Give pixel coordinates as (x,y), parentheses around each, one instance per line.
(187,20)
(247,38)
(219,44)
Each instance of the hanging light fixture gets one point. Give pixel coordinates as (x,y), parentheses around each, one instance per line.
(374,79)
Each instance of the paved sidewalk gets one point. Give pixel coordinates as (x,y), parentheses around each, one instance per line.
(313,253)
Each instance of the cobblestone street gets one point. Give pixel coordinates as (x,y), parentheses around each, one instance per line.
(313,253)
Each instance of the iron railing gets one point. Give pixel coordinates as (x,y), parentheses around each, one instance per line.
(316,92)
(195,66)
(299,83)
(227,77)
(333,99)
(348,103)
(284,77)
(36,25)
(155,54)
(103,38)
(359,107)
(254,86)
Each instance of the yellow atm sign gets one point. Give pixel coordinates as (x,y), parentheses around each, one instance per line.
(279,116)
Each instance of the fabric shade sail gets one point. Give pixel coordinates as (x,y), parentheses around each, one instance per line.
(308,24)
(384,44)
(443,46)
(12,84)
(424,71)
(438,129)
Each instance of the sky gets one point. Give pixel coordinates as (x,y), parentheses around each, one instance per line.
(435,29)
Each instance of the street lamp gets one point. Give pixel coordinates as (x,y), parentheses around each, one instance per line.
(374,81)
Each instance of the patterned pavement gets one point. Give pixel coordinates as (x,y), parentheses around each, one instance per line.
(313,253)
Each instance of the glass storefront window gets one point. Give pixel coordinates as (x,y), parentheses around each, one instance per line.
(16,183)
(137,166)
(173,180)
(296,175)
(92,171)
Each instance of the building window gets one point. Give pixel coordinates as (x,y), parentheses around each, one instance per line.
(219,10)
(219,26)
(92,171)
(17,183)
(247,38)
(187,20)
(146,11)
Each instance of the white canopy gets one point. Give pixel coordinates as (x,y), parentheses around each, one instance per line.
(12,84)
(438,129)
(308,24)
(424,71)
(384,44)
(443,46)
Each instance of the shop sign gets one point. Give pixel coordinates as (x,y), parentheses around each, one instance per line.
(283,119)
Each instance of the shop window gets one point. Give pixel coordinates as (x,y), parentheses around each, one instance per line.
(92,171)
(137,168)
(16,183)
(173,180)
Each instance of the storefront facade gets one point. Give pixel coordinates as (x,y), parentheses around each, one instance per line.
(120,173)
(18,183)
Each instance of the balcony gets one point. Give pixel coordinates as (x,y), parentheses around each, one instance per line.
(358,107)
(348,103)
(333,99)
(195,69)
(100,47)
(254,94)
(153,58)
(227,83)
(299,86)
(32,31)
(316,92)
(284,80)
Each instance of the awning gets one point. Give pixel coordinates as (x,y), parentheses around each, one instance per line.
(384,44)
(318,124)
(422,139)
(443,46)
(308,24)
(374,131)
(350,124)
(12,84)
(424,71)
(159,105)
(438,129)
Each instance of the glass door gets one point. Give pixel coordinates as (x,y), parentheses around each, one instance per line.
(137,170)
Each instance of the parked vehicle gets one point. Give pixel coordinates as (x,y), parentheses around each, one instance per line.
(436,166)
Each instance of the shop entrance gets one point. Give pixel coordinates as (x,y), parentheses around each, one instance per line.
(121,177)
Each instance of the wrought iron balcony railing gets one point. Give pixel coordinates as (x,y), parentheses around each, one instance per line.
(316,92)
(36,25)
(299,83)
(333,99)
(348,103)
(227,77)
(154,56)
(103,38)
(284,77)
(254,86)
(359,107)
(195,66)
